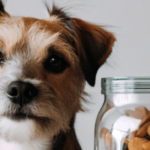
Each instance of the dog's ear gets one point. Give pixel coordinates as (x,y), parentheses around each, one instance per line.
(59,12)
(2,9)
(93,43)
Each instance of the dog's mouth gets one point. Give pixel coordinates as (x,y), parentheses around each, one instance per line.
(21,116)
(18,116)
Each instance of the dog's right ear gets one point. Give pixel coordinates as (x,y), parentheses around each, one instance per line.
(94,47)
(2,9)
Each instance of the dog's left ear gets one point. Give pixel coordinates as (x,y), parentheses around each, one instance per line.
(93,43)
(2,9)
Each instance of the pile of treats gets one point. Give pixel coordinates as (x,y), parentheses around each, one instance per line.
(140,138)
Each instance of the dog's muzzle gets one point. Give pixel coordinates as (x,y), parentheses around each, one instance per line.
(21,93)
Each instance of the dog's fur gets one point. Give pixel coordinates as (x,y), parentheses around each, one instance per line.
(27,45)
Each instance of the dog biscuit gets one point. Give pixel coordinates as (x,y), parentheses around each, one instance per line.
(144,120)
(143,130)
(138,113)
(136,143)
(146,146)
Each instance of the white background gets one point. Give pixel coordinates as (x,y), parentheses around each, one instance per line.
(129,20)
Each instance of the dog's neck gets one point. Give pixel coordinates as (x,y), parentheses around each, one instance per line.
(66,141)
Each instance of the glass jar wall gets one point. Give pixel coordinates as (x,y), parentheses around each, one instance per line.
(124,119)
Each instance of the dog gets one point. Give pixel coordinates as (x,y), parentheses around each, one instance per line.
(44,65)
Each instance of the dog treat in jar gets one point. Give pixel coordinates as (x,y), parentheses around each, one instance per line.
(123,122)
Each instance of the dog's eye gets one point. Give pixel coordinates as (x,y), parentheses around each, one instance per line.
(55,64)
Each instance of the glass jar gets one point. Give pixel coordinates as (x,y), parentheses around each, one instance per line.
(126,105)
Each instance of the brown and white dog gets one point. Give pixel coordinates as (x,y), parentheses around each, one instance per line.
(43,68)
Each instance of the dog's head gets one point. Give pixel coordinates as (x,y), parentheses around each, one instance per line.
(43,68)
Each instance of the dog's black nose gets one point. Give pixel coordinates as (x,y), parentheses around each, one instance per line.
(21,92)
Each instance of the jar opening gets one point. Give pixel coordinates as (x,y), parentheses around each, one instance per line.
(114,85)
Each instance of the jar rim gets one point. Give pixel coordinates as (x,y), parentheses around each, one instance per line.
(125,84)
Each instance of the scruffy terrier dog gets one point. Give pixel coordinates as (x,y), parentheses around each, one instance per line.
(43,68)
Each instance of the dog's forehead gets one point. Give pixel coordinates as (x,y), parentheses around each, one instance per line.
(16,32)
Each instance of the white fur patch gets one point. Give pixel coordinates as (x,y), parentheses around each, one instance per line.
(11,31)
(13,68)
(17,131)
(53,18)
(39,39)
(35,145)
(33,81)
(17,135)
(12,71)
